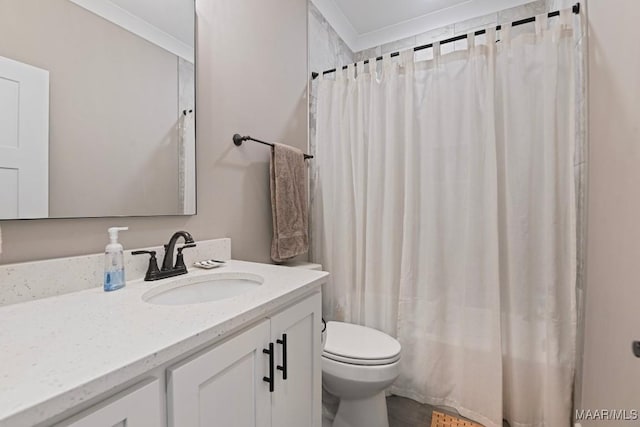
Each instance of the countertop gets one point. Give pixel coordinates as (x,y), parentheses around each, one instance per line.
(58,352)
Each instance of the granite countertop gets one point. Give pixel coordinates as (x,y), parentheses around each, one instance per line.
(61,351)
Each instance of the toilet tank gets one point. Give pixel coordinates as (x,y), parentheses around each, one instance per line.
(311,266)
(305,264)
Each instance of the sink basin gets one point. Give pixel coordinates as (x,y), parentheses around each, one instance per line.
(212,287)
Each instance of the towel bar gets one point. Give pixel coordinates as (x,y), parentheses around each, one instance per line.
(238,140)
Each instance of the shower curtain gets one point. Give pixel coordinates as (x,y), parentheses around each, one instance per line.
(444,209)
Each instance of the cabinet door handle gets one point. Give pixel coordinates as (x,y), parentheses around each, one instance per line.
(270,378)
(283,367)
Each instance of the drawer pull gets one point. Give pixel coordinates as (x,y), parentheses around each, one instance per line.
(283,367)
(270,378)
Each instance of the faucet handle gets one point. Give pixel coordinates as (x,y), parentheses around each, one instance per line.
(152,270)
(180,258)
(152,253)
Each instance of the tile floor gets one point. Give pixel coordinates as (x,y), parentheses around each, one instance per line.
(405,412)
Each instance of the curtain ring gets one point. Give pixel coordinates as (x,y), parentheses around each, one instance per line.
(566,17)
(351,71)
(505,32)
(542,23)
(359,68)
(436,50)
(471,40)
(373,67)
(407,56)
(387,63)
(491,36)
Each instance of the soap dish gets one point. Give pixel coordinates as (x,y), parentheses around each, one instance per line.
(208,264)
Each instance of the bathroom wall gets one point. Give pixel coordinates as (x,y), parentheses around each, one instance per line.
(326,51)
(251,79)
(326,48)
(611,372)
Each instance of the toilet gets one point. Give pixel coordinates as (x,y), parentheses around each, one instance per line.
(358,364)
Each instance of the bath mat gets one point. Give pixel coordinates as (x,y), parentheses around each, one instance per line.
(438,419)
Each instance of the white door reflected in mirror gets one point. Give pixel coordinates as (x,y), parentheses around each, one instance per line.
(24,140)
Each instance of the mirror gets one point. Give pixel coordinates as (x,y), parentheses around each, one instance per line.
(97,108)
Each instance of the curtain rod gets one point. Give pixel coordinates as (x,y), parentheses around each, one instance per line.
(575,9)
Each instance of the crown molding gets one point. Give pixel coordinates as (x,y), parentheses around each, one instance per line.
(132,23)
(438,19)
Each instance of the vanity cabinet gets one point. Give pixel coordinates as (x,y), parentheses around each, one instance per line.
(268,375)
(224,385)
(139,406)
(296,400)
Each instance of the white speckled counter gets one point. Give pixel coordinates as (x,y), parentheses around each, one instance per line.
(33,280)
(61,351)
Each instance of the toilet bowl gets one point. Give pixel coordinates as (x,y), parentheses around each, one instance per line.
(358,364)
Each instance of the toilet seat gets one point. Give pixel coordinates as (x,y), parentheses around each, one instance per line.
(364,362)
(360,345)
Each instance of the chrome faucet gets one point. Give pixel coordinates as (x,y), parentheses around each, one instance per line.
(169,269)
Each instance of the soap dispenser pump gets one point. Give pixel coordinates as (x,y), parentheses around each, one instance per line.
(114,261)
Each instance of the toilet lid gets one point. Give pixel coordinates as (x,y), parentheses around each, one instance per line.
(357,344)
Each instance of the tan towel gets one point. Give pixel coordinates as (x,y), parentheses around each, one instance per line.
(288,203)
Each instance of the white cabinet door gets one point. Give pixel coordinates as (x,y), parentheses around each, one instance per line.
(139,406)
(296,401)
(224,386)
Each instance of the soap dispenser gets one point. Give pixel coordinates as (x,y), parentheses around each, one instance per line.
(114,261)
